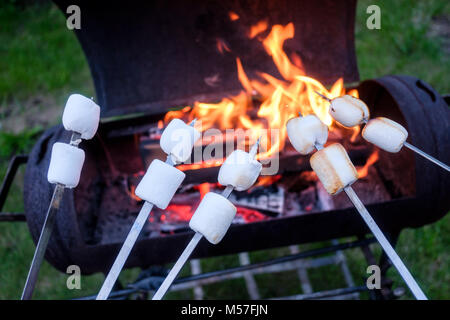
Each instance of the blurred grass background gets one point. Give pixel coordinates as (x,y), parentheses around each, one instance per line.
(41,62)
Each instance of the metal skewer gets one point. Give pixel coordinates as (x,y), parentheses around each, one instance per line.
(192,244)
(426,156)
(407,144)
(388,249)
(46,232)
(128,244)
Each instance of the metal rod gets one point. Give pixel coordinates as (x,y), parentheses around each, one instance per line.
(13,167)
(426,156)
(325,294)
(323,96)
(406,144)
(259,265)
(41,247)
(193,243)
(184,257)
(128,245)
(46,232)
(388,249)
(177,266)
(124,252)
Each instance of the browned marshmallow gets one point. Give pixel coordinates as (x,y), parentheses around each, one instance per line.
(334,168)
(349,111)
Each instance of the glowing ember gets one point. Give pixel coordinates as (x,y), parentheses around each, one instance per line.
(281,99)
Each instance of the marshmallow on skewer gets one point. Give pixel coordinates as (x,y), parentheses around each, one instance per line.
(215,213)
(213,217)
(159,183)
(178,139)
(334,168)
(305,132)
(81,115)
(385,134)
(349,111)
(239,170)
(66,163)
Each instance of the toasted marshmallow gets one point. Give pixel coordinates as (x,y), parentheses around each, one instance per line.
(159,183)
(66,163)
(81,115)
(178,139)
(385,134)
(239,170)
(213,217)
(305,132)
(349,111)
(333,168)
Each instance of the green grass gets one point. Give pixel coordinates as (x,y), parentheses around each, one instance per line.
(404,44)
(41,62)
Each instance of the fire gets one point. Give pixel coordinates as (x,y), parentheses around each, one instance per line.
(364,171)
(355,133)
(256,29)
(233,16)
(281,99)
(133,193)
(203,189)
(222,46)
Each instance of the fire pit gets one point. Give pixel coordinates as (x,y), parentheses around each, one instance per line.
(235,66)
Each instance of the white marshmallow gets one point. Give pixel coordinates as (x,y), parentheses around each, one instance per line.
(349,111)
(385,134)
(66,163)
(81,115)
(239,170)
(159,183)
(178,139)
(334,168)
(305,132)
(213,217)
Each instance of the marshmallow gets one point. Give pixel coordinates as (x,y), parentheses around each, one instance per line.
(305,132)
(81,115)
(178,139)
(385,134)
(239,170)
(349,111)
(159,183)
(334,168)
(66,163)
(213,217)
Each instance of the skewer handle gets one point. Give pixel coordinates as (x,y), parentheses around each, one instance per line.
(42,243)
(124,252)
(177,267)
(427,156)
(393,256)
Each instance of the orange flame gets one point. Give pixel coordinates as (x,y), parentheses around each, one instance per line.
(133,193)
(355,133)
(222,46)
(281,99)
(233,16)
(204,189)
(256,29)
(364,171)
